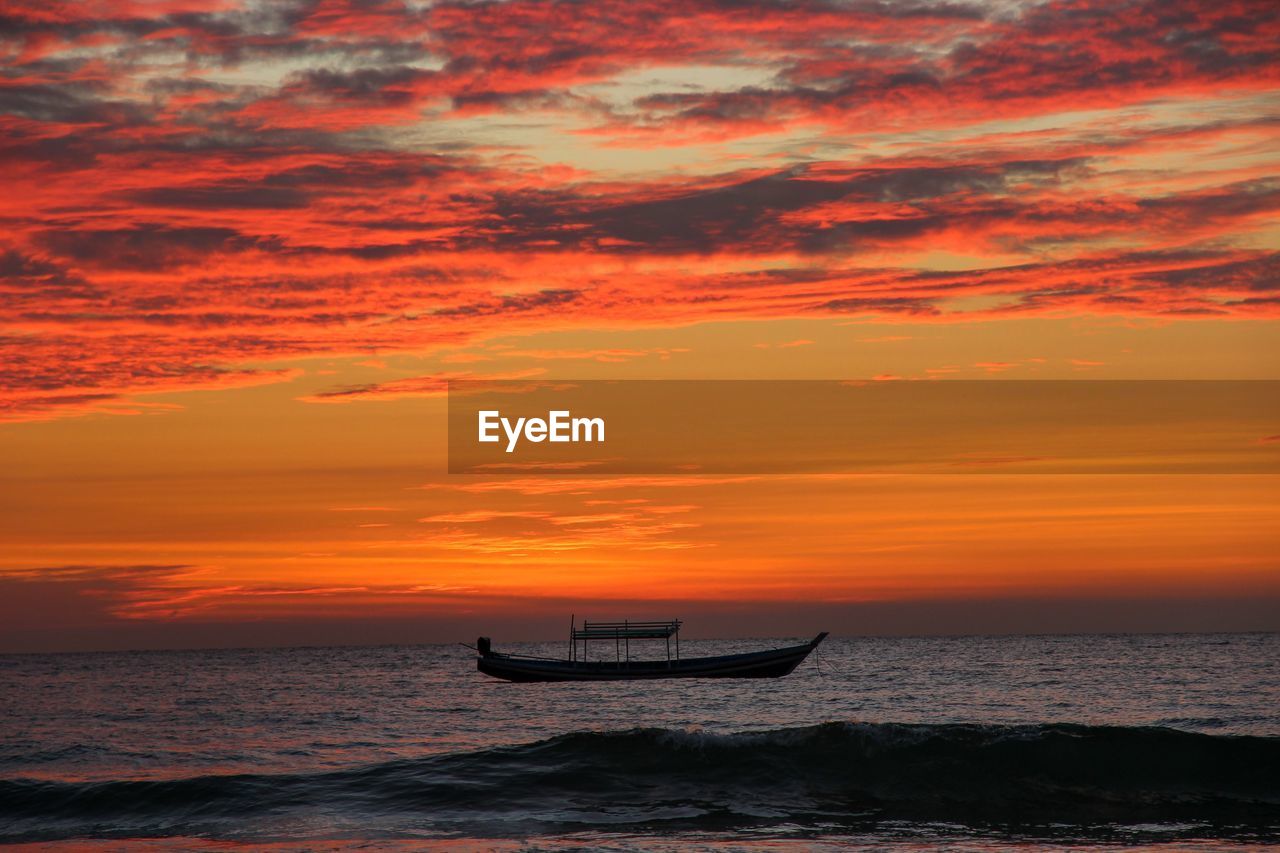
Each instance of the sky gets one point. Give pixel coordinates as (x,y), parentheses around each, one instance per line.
(246,245)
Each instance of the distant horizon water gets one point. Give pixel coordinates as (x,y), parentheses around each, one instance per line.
(687,636)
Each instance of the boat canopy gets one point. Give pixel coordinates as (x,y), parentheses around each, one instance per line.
(622,633)
(627,630)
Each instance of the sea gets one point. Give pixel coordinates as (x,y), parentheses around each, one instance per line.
(1113,742)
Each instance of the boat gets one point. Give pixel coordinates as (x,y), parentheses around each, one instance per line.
(769,663)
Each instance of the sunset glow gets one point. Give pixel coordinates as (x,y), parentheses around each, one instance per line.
(246,245)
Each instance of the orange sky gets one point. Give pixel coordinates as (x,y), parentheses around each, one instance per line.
(243,250)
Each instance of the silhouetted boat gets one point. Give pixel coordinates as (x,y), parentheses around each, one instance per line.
(770,663)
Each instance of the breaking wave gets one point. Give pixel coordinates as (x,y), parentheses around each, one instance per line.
(1050,779)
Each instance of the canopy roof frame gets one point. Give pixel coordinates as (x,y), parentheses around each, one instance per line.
(622,633)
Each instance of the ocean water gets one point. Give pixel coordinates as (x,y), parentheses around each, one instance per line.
(1144,741)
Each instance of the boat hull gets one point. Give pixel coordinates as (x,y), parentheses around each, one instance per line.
(773,663)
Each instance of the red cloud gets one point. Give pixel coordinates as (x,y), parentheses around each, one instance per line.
(168,222)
